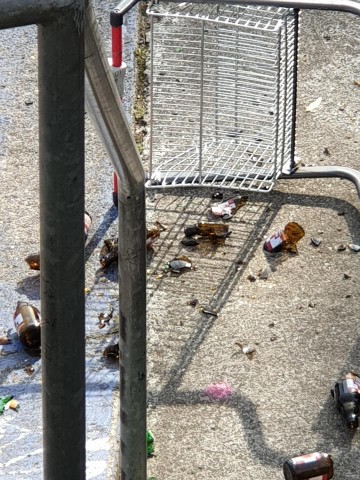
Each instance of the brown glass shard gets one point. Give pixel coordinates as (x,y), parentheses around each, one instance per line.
(33,261)
(112,351)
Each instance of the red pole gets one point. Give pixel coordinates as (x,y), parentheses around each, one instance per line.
(116,46)
(116,54)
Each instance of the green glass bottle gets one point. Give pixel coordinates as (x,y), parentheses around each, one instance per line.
(3,402)
(149,443)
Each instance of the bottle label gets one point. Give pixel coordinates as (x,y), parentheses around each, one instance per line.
(224,208)
(274,241)
(87,224)
(321,477)
(310,457)
(353,385)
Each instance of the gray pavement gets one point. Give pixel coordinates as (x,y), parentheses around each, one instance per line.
(302,320)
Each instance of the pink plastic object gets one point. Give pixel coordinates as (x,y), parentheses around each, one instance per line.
(219,391)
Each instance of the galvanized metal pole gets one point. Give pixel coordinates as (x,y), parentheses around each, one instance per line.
(132,278)
(61,111)
(104,105)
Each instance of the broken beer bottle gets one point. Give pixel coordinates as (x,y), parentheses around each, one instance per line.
(87,224)
(284,239)
(109,252)
(27,323)
(346,394)
(4,401)
(313,466)
(149,443)
(227,209)
(153,234)
(33,261)
(219,230)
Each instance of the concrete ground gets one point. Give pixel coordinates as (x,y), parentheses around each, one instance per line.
(302,320)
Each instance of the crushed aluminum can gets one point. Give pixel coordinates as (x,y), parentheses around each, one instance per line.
(4,401)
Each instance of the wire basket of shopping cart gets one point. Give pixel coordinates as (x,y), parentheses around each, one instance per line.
(221,95)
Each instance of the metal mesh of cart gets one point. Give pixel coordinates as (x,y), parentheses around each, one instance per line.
(222,94)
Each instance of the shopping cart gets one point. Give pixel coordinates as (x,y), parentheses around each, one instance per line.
(222,94)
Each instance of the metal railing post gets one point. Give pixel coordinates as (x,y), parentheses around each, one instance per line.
(61,130)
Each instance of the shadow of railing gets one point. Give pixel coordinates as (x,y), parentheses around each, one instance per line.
(249,226)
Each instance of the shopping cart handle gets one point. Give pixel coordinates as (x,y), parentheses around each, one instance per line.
(117,15)
(349,6)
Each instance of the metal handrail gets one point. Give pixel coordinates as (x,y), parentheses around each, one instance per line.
(15,13)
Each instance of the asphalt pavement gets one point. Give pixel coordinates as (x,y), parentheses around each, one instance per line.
(302,321)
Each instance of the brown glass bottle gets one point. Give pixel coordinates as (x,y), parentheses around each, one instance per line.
(27,321)
(207,230)
(228,208)
(284,239)
(33,261)
(153,234)
(109,252)
(313,466)
(346,394)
